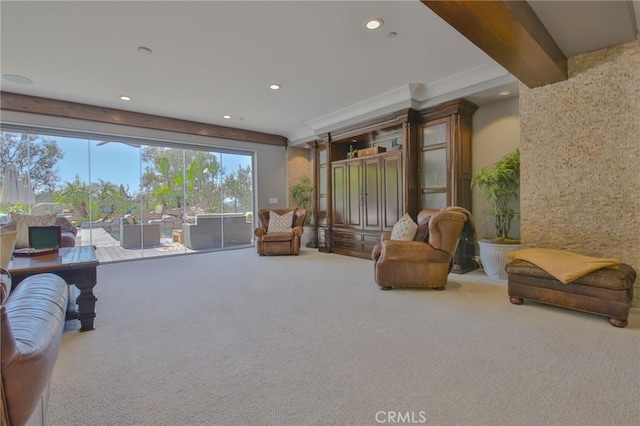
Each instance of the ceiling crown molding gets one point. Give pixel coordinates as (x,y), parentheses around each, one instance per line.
(414,95)
(464,79)
(377,105)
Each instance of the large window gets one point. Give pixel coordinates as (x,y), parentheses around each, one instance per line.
(132,198)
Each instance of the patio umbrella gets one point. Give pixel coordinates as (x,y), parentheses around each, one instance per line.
(26,194)
(10,186)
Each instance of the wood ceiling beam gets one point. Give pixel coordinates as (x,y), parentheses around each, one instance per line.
(511,33)
(46,106)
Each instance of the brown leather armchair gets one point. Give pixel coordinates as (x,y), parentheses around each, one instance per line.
(68,232)
(279,243)
(420,263)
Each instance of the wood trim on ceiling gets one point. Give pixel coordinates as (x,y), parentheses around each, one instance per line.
(57,108)
(511,33)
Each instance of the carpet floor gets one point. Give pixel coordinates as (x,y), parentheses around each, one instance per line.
(231,338)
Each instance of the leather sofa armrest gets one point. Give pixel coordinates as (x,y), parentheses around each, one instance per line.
(376,252)
(32,323)
(260,231)
(67,239)
(297,231)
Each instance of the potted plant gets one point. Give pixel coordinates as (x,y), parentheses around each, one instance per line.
(500,183)
(301,195)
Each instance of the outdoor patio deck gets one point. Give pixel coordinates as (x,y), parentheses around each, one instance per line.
(108,249)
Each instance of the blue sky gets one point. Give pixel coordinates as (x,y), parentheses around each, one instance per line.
(115,162)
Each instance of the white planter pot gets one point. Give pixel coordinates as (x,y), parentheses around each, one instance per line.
(494,258)
(307,236)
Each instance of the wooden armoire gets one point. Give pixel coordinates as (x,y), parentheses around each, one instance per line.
(407,161)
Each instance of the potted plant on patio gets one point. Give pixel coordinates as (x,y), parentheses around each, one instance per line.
(500,183)
(301,195)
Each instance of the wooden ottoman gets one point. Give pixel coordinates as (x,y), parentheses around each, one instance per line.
(606,292)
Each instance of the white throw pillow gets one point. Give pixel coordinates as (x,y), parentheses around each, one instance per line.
(24,221)
(405,229)
(279,223)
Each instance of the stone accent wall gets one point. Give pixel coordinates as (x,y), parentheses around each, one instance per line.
(580,142)
(298,165)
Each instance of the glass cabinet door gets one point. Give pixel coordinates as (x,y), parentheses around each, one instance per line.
(321,216)
(434,142)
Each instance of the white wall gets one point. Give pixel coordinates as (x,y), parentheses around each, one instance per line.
(269,166)
(496,132)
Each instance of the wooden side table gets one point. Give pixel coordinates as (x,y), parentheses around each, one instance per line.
(76,265)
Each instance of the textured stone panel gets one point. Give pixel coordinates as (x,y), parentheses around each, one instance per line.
(580,155)
(298,165)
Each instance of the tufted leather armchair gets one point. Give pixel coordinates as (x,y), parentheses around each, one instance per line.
(278,243)
(420,263)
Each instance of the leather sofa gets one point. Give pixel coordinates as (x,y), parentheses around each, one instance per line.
(32,323)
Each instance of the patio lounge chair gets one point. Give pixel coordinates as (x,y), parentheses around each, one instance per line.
(139,235)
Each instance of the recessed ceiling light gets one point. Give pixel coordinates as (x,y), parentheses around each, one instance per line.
(392,34)
(14,78)
(504,93)
(125,98)
(274,86)
(144,50)
(226,117)
(373,24)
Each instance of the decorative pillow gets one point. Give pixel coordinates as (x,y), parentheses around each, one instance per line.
(422,234)
(405,229)
(24,221)
(279,223)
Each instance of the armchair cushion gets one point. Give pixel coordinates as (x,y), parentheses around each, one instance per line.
(413,251)
(280,223)
(278,236)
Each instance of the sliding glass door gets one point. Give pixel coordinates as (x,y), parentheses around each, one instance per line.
(133,199)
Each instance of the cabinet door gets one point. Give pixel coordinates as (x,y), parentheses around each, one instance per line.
(339,187)
(391,203)
(434,164)
(354,194)
(322,187)
(371,194)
